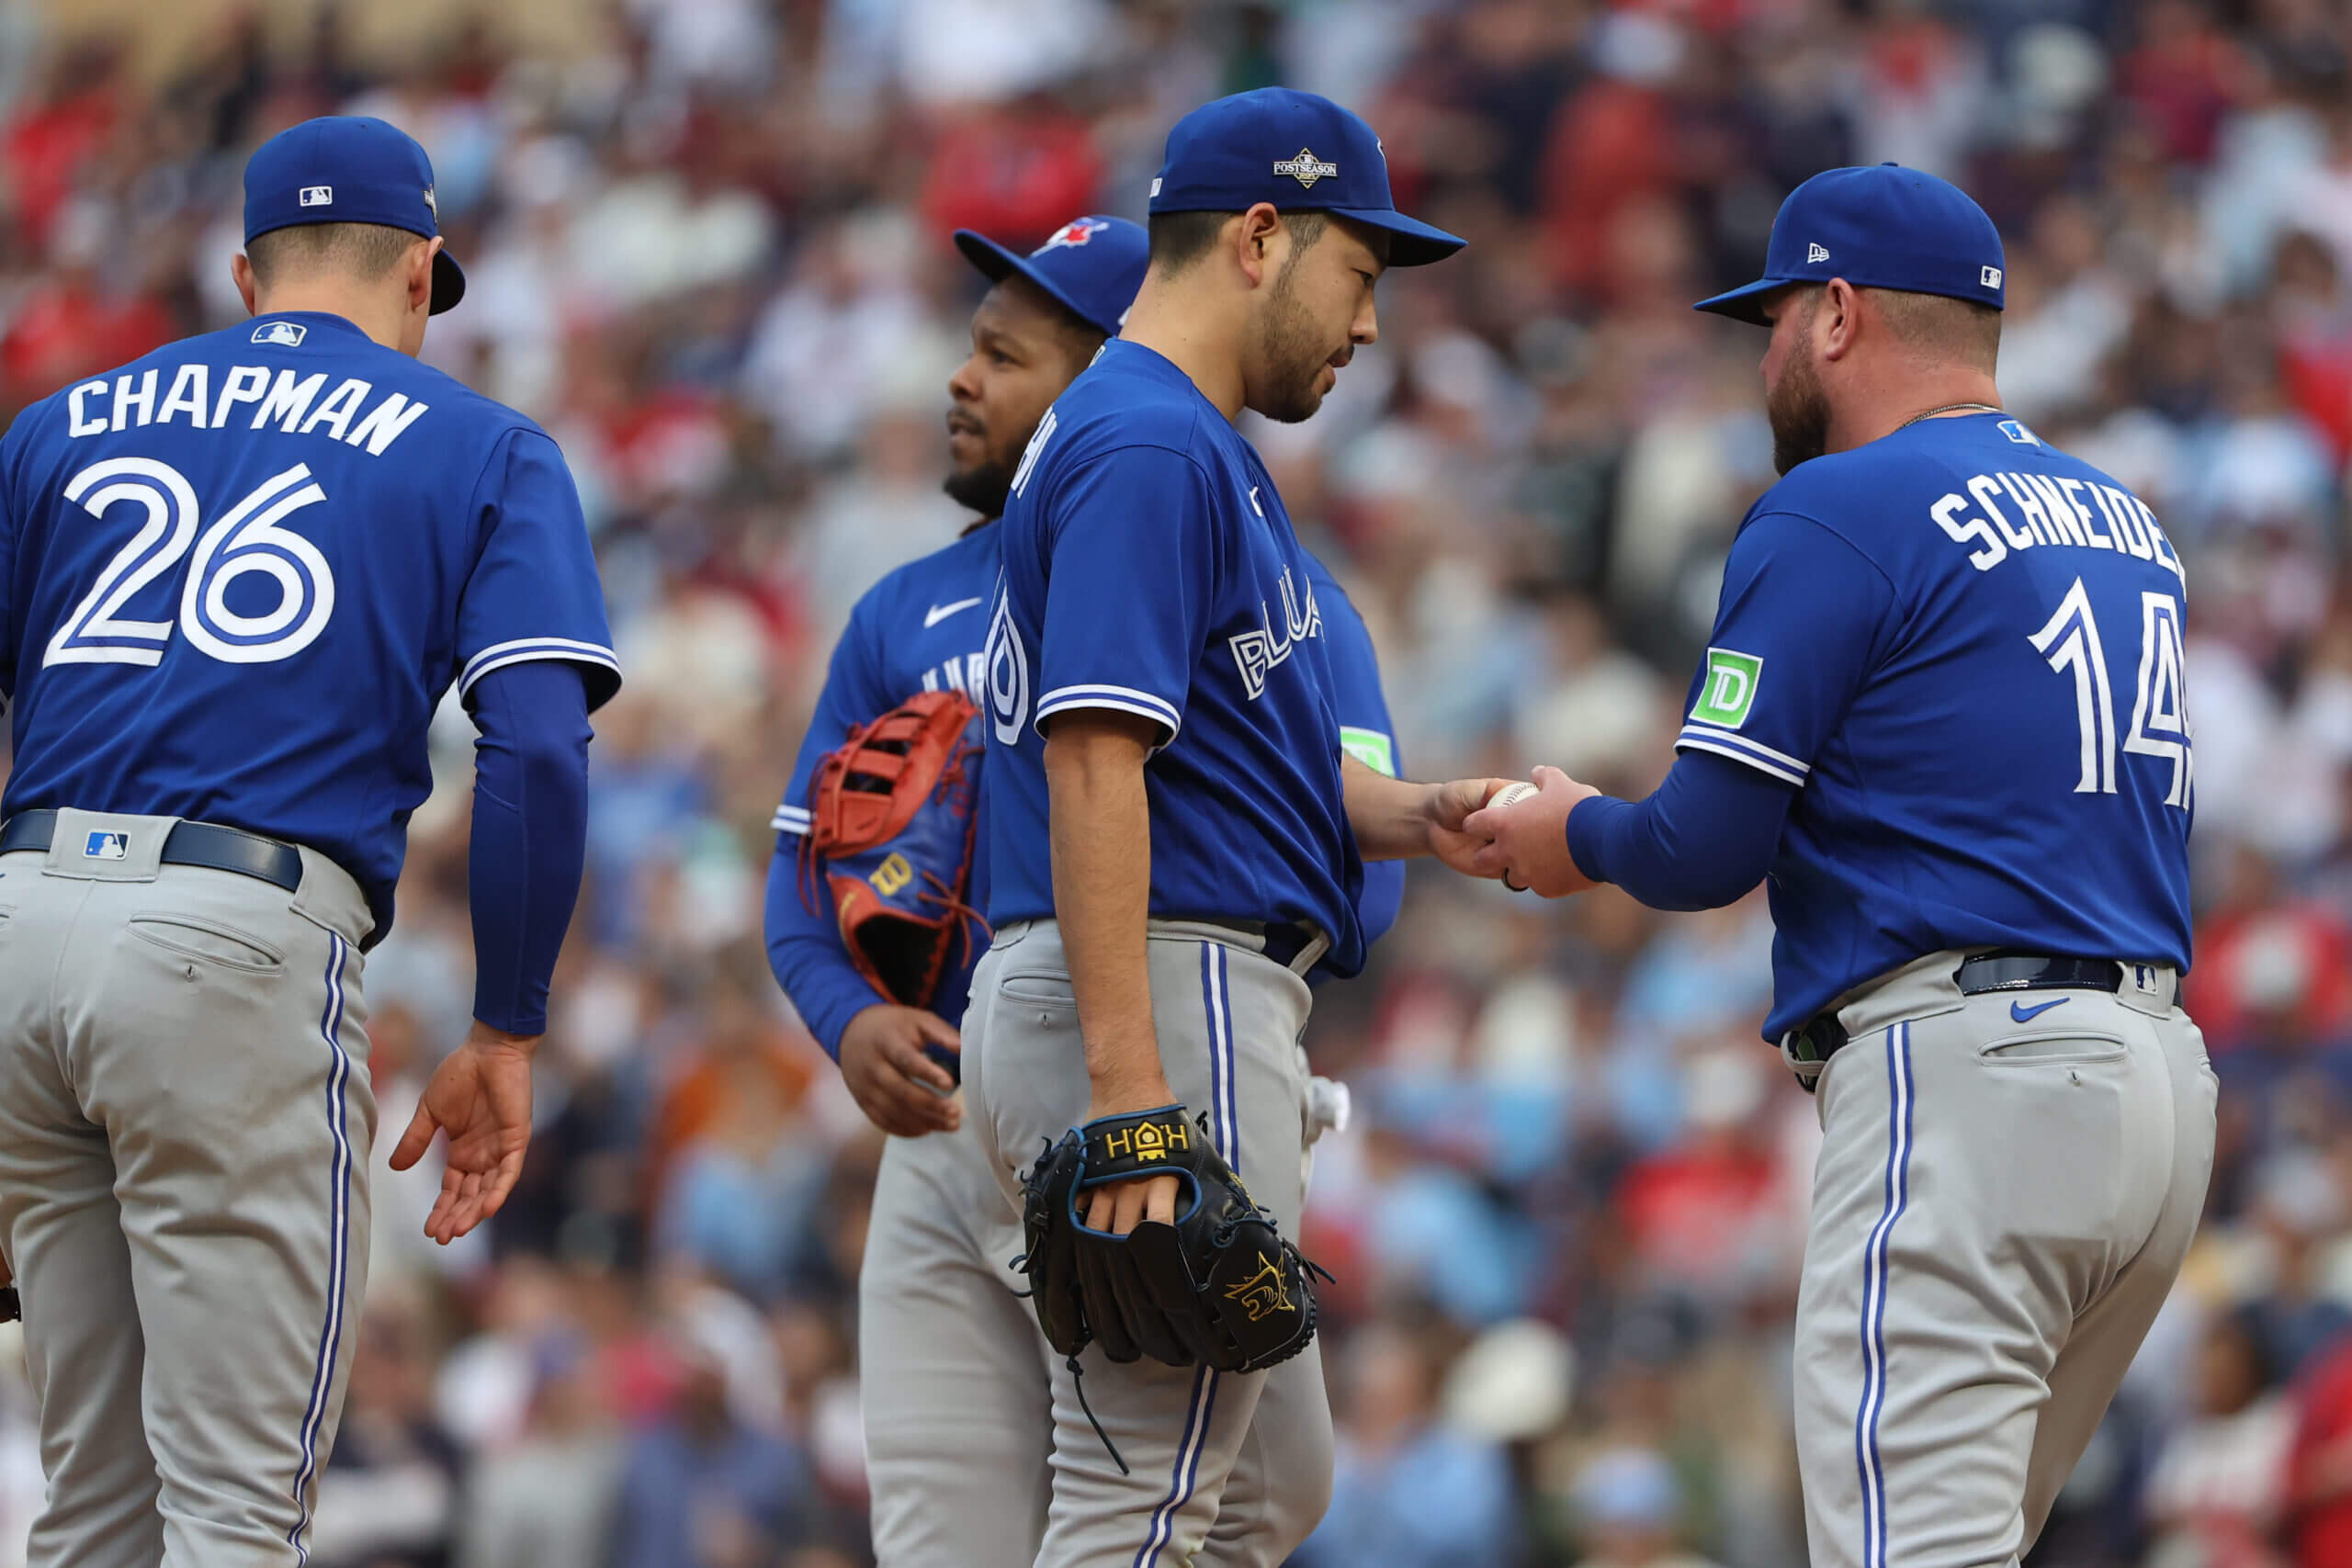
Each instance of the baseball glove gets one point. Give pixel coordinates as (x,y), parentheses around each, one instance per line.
(892,818)
(1219,1287)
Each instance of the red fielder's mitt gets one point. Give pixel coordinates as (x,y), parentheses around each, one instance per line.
(892,817)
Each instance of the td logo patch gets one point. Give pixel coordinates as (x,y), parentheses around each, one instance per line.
(1729,689)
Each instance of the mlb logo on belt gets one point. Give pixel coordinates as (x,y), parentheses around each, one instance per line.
(102,845)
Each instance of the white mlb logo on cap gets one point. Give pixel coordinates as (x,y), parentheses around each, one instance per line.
(318,196)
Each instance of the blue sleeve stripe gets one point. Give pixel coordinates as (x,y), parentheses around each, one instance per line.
(1695,730)
(1712,742)
(1124,699)
(500,654)
(790,819)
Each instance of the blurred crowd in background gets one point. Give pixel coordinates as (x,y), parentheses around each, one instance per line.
(707,245)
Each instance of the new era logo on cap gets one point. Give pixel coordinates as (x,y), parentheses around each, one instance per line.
(318,196)
(1307,168)
(1817,254)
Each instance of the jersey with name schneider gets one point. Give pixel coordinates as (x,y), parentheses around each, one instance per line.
(1963,647)
(240,574)
(1149,568)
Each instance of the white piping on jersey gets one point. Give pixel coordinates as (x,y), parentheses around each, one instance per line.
(791,820)
(521,649)
(1739,755)
(1125,699)
(1698,727)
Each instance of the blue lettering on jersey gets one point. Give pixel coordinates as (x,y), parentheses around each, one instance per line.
(1964,647)
(222,602)
(1149,568)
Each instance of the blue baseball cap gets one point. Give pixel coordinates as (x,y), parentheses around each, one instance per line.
(1886,227)
(1300,152)
(348,169)
(1091,267)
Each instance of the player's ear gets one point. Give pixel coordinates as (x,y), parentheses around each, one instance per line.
(241,271)
(1259,241)
(419,277)
(1835,324)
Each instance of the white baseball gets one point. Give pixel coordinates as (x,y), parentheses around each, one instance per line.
(1511,795)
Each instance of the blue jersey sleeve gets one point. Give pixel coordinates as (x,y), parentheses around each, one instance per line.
(533,592)
(1801,618)
(854,693)
(1366,733)
(1701,841)
(1131,569)
(804,944)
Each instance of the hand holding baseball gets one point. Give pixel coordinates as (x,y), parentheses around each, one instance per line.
(1526,827)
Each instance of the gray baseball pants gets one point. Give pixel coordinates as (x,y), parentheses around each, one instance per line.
(184,1125)
(2006,1187)
(1222,1468)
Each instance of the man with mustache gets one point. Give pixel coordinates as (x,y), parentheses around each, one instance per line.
(1942,712)
(1174,830)
(953,1368)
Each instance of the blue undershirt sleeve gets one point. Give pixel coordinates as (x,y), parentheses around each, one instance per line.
(805,953)
(1701,840)
(530,834)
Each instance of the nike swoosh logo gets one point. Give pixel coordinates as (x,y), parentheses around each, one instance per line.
(2025,1014)
(940,611)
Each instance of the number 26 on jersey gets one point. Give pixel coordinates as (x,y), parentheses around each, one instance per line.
(2070,641)
(243,541)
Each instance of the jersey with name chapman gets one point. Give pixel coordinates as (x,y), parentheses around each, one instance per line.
(242,572)
(1964,647)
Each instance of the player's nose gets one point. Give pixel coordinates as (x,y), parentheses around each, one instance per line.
(1366,330)
(965,385)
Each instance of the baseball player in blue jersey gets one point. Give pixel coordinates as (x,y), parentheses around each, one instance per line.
(236,577)
(1942,714)
(1173,837)
(953,1369)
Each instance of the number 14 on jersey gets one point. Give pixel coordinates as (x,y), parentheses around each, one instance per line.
(2070,641)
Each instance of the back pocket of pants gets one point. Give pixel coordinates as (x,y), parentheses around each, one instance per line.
(1045,993)
(193,937)
(2050,1047)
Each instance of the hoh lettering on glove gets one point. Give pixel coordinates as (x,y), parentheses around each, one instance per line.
(1219,1286)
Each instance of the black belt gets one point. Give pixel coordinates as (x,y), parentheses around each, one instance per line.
(188,843)
(1822,1036)
(1285,939)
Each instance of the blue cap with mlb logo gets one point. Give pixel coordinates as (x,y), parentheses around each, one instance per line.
(1091,267)
(1886,227)
(1300,152)
(348,169)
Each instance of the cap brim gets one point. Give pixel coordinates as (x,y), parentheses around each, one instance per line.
(1745,303)
(996,264)
(1413,242)
(449,282)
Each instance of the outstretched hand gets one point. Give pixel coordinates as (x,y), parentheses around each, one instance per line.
(1526,842)
(1450,808)
(480,1096)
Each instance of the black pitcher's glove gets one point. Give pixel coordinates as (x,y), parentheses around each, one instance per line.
(1219,1287)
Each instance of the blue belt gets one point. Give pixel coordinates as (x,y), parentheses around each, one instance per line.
(190,843)
(1821,1036)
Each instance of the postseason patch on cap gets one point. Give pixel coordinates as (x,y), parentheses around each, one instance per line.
(1307,168)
